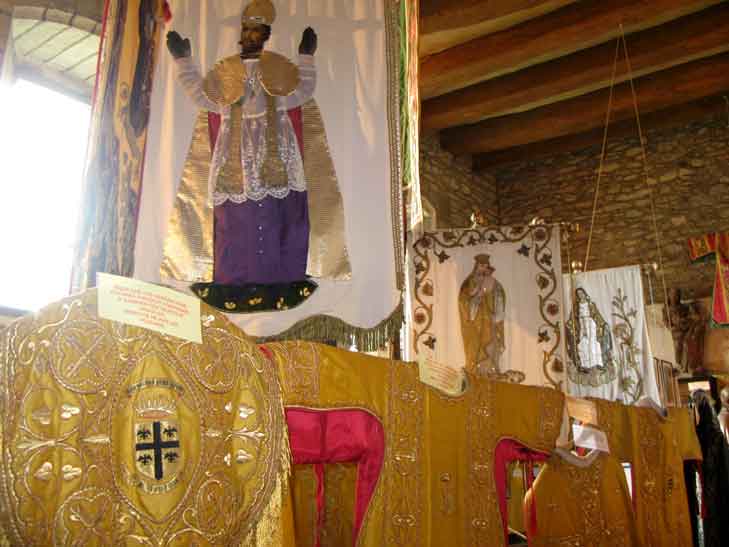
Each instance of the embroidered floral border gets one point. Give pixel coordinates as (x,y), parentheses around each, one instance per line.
(535,245)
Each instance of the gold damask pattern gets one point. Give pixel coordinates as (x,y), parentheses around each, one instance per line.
(658,450)
(403,479)
(436,485)
(300,376)
(582,505)
(76,391)
(482,528)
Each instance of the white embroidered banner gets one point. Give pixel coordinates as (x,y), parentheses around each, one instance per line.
(608,354)
(489,300)
(356,92)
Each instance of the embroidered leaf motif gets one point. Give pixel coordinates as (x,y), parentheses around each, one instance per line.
(493,239)
(442,256)
(430,342)
(544,337)
(546,259)
(524,250)
(542,282)
(419,268)
(472,241)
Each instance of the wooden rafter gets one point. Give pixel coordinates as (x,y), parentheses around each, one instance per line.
(657,91)
(686,39)
(662,119)
(564,31)
(448,23)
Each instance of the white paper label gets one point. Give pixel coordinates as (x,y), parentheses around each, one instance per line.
(447,379)
(590,438)
(141,304)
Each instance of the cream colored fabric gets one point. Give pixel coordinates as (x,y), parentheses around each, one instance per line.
(506,326)
(353,94)
(608,353)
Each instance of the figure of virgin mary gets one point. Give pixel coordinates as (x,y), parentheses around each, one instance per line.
(589,342)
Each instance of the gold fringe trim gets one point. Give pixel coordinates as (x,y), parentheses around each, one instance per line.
(328,328)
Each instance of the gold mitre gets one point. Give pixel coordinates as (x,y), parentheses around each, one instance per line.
(261,12)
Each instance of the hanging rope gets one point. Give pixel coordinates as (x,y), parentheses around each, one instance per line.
(654,218)
(602,155)
(621,40)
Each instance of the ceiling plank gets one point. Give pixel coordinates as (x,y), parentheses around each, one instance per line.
(662,119)
(686,39)
(448,23)
(677,85)
(572,28)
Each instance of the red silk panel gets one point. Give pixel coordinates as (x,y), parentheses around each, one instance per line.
(339,436)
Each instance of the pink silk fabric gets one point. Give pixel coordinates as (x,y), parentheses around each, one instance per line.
(319,437)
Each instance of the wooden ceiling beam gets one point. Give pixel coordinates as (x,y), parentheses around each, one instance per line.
(660,90)
(686,39)
(561,32)
(662,119)
(448,23)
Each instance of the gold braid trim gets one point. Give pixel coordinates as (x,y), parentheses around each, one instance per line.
(326,327)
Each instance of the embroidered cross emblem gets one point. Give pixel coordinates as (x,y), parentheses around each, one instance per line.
(157,445)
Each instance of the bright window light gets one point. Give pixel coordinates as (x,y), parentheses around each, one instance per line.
(42,152)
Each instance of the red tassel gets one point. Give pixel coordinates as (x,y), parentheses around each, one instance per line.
(167,12)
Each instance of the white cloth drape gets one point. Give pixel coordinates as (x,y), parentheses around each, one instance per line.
(352,93)
(608,352)
(659,335)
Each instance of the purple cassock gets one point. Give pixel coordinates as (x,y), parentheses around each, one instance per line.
(262,242)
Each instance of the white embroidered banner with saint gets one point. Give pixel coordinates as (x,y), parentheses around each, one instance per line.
(272,179)
(608,354)
(489,300)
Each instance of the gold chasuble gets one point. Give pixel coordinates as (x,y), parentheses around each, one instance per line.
(656,447)
(580,502)
(437,485)
(116,435)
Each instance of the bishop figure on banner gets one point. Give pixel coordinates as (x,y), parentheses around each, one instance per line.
(277,217)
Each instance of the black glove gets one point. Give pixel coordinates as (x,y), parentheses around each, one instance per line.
(179,47)
(308,42)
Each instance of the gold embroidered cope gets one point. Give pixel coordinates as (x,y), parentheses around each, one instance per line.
(116,435)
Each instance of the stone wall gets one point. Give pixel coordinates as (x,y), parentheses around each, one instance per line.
(689,179)
(452,188)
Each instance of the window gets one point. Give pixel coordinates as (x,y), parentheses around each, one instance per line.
(42,151)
